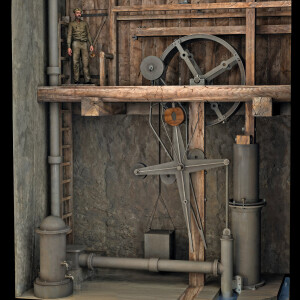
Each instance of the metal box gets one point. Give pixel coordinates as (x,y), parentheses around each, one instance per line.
(159,244)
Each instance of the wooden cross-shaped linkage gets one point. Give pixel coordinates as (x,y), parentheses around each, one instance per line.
(182,167)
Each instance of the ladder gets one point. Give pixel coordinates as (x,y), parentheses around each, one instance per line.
(66,168)
(66,139)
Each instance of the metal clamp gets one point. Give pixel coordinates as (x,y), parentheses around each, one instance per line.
(89,261)
(53,70)
(64,263)
(54,160)
(215,267)
(153,264)
(237,284)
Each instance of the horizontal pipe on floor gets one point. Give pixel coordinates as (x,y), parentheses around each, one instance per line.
(150,264)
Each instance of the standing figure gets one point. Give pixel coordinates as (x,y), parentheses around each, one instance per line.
(79,35)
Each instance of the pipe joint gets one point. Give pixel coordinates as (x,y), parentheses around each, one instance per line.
(153,264)
(215,267)
(89,261)
(53,70)
(54,160)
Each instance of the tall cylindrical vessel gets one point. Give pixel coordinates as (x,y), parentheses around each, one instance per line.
(245,173)
(245,225)
(246,215)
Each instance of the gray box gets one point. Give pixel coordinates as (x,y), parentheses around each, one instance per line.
(159,244)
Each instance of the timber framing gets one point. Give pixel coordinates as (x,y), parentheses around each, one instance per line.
(211,93)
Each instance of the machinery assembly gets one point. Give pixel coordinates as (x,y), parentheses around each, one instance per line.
(161,116)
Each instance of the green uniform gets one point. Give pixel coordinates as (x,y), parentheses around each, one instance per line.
(79,35)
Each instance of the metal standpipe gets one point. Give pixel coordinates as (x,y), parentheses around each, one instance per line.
(53,281)
(246,215)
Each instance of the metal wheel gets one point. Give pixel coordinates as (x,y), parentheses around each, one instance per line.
(152,68)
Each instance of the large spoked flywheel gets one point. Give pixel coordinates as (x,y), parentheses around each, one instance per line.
(155,69)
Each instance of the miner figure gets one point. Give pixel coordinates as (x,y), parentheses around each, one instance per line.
(79,35)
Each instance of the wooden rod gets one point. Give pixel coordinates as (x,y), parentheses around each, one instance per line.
(225,5)
(211,93)
(113,64)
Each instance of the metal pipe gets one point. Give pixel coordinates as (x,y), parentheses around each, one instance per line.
(149,264)
(53,72)
(227,264)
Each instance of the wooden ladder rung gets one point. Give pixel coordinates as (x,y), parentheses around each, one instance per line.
(65,128)
(66,181)
(67,215)
(65,110)
(66,146)
(67,163)
(67,198)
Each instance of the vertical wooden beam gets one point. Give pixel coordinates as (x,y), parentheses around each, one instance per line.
(195,110)
(113,64)
(102,69)
(250,68)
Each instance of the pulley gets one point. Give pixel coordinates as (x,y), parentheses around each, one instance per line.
(174,116)
(152,67)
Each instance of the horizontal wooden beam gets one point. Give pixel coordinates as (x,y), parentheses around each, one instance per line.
(199,6)
(204,15)
(210,93)
(215,30)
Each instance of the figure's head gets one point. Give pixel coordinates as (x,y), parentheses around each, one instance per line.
(77,13)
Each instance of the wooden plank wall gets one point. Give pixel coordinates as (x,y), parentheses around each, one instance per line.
(273,63)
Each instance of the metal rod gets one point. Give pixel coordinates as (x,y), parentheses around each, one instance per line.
(227,196)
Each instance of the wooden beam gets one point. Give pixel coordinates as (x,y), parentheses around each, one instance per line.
(190,293)
(102,69)
(203,15)
(200,6)
(113,64)
(243,139)
(214,30)
(197,125)
(210,93)
(262,107)
(250,68)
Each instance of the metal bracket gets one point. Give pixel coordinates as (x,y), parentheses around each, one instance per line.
(237,283)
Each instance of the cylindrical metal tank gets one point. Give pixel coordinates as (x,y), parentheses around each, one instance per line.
(52,281)
(246,215)
(245,173)
(245,225)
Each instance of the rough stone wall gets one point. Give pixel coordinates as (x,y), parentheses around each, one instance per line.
(112,208)
(29,136)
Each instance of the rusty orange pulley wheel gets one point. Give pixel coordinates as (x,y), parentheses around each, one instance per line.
(174,116)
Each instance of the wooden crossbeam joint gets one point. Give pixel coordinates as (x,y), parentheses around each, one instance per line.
(262,107)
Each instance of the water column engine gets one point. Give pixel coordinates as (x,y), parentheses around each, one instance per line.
(246,215)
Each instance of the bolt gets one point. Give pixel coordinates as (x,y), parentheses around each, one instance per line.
(151,68)
(205,199)
(243,129)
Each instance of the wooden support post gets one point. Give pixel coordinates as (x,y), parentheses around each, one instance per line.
(113,64)
(102,69)
(196,110)
(250,69)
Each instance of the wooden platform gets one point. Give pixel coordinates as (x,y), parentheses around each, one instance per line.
(159,286)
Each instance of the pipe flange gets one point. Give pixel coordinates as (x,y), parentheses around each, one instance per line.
(89,261)
(53,70)
(153,264)
(215,267)
(54,160)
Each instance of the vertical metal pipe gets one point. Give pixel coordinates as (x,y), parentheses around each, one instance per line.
(227,264)
(53,72)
